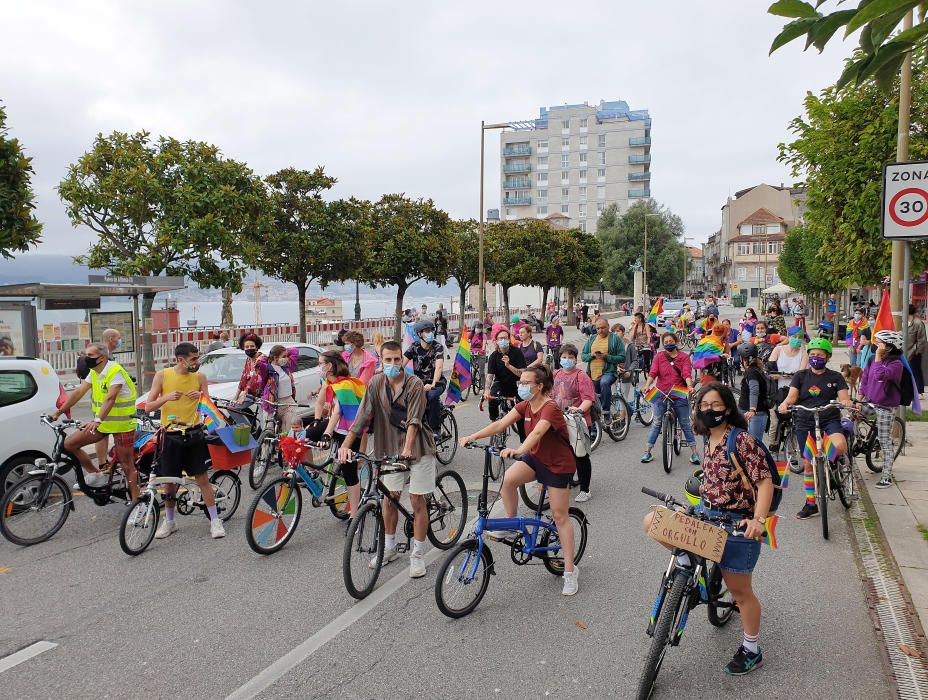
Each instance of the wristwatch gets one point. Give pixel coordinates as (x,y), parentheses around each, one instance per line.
(762,521)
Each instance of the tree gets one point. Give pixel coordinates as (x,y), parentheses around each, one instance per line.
(565,258)
(463,241)
(166,207)
(410,240)
(517,252)
(19,229)
(312,240)
(800,266)
(622,240)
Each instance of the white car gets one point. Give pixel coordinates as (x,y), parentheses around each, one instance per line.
(28,388)
(671,308)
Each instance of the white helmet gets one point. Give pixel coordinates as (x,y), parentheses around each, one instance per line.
(893,338)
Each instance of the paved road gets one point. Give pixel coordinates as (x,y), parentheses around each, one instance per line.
(197,617)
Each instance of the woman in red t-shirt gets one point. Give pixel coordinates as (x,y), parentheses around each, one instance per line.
(544,456)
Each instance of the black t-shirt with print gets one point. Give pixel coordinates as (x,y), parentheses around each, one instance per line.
(815,391)
(506,380)
(423,360)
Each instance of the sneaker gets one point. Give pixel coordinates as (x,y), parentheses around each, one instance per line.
(583,497)
(389,554)
(744,662)
(570,582)
(694,458)
(502,535)
(809,510)
(95,479)
(166,529)
(885,482)
(216,530)
(416,565)
(647,457)
(137,519)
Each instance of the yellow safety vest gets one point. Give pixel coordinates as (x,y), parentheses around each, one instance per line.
(121,418)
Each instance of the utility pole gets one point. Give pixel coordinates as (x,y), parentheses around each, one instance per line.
(899,282)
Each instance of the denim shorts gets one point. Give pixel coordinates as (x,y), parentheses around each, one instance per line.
(741,553)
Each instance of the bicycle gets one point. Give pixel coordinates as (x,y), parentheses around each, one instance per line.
(680,591)
(468,566)
(275,510)
(446,441)
(639,407)
(140,522)
(835,479)
(671,431)
(506,404)
(620,417)
(37,506)
(478,374)
(362,556)
(267,453)
(866,440)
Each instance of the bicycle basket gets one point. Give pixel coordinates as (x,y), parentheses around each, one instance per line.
(293,451)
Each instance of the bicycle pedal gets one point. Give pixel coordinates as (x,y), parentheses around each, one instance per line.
(402,547)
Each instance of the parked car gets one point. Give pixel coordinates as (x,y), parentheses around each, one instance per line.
(28,388)
(672,307)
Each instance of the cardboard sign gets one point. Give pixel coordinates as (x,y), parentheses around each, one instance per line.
(679,530)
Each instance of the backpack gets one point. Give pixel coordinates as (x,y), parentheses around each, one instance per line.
(778,483)
(906,386)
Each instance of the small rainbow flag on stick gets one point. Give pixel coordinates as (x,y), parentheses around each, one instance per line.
(771,535)
(783,471)
(461,372)
(810,449)
(212,417)
(679,392)
(653,394)
(656,310)
(831,450)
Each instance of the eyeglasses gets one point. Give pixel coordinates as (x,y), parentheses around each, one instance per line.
(714,406)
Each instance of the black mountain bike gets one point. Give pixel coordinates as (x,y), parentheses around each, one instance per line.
(866,441)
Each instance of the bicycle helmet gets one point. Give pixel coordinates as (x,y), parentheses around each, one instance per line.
(820,344)
(747,351)
(712,311)
(691,488)
(423,325)
(893,338)
(514,319)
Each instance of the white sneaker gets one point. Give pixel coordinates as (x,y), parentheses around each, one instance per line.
(582,497)
(389,554)
(216,530)
(416,565)
(570,582)
(95,479)
(166,529)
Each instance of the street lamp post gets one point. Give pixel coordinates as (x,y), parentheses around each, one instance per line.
(481,281)
(602,295)
(357,300)
(645,271)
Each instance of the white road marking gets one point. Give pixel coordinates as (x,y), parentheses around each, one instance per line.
(310,646)
(8,662)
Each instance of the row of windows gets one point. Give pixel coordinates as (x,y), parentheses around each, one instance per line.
(565,160)
(773,248)
(542,209)
(542,195)
(757,273)
(565,143)
(565,176)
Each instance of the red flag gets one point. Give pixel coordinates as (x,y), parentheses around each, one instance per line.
(884,317)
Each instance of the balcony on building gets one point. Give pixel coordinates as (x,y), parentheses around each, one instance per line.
(522,183)
(637,194)
(517,201)
(639,159)
(639,141)
(639,176)
(519,149)
(517,168)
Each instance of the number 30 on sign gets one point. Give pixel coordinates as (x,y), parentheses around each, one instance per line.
(905,201)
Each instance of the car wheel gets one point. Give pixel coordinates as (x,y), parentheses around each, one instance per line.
(15,469)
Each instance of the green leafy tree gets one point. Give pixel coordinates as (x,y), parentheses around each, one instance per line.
(622,241)
(517,252)
(409,240)
(19,229)
(166,207)
(464,244)
(800,266)
(569,258)
(312,240)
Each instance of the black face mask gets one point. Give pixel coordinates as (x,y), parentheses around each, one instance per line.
(95,361)
(251,352)
(193,368)
(712,419)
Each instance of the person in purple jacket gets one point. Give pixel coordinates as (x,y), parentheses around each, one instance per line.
(881,385)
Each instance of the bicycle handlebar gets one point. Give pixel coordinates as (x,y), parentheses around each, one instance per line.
(830,404)
(492,449)
(62,424)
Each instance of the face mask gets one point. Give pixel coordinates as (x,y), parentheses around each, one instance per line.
(568,364)
(392,371)
(857,317)
(193,367)
(817,362)
(429,338)
(349,348)
(283,361)
(761,334)
(712,419)
(671,347)
(251,352)
(503,344)
(119,344)
(95,361)
(325,369)
(525,392)
(795,342)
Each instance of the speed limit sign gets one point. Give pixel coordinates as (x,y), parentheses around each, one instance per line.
(905,201)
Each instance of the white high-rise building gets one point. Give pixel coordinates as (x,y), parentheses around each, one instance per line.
(575,160)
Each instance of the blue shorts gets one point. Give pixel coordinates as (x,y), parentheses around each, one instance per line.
(741,553)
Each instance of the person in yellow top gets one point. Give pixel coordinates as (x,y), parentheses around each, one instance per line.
(604,354)
(176,391)
(113,400)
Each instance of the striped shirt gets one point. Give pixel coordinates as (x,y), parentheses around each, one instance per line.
(374,414)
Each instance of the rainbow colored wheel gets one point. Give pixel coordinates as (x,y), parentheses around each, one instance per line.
(274,515)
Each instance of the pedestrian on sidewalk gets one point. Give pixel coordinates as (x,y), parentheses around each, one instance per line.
(881,385)
(916,346)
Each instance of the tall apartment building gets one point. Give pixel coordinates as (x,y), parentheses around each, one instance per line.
(575,160)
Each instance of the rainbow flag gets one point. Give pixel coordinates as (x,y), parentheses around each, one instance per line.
(810,449)
(460,372)
(656,310)
(783,471)
(212,416)
(831,450)
(709,350)
(348,391)
(771,535)
(653,394)
(679,392)
(884,316)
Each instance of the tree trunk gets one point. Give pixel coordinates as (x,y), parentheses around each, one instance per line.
(506,304)
(463,302)
(544,303)
(227,320)
(570,302)
(398,311)
(148,353)
(301,304)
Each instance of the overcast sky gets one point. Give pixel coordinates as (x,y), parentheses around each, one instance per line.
(388,96)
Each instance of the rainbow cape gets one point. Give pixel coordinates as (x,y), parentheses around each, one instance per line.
(348,392)
(460,372)
(212,416)
(656,310)
(653,394)
(679,392)
(771,535)
(810,449)
(708,350)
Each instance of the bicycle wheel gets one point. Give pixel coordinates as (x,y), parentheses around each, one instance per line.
(662,636)
(227,489)
(554,563)
(644,410)
(596,434)
(667,443)
(531,494)
(448,442)
(337,489)
(822,491)
(139,524)
(874,456)
(719,615)
(34,509)
(462,580)
(842,480)
(273,515)
(791,452)
(262,459)
(677,437)
(621,418)
(497,462)
(362,557)
(447,506)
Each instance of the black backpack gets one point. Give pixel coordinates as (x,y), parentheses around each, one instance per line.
(906,386)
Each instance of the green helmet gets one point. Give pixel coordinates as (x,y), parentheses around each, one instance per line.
(514,319)
(820,344)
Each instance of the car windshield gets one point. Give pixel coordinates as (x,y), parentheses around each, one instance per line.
(223,367)
(673,305)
